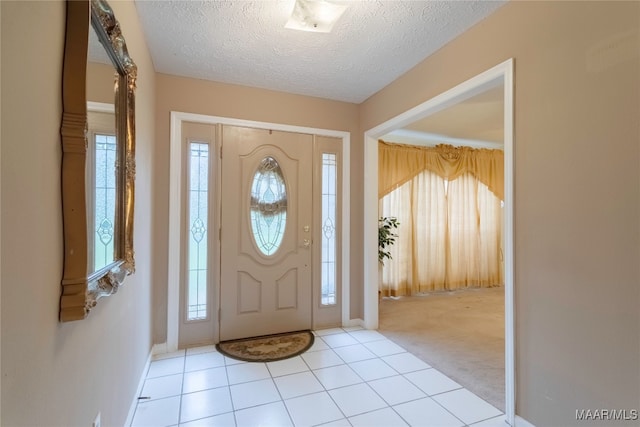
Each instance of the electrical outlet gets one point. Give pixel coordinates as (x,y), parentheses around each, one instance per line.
(96,422)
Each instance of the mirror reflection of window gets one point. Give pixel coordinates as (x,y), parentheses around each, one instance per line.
(104,188)
(101,189)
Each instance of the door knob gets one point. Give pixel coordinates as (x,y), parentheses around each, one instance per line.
(306,243)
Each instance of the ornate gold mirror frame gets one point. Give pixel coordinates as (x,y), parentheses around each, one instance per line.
(82,287)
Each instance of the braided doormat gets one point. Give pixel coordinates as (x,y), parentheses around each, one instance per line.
(268,348)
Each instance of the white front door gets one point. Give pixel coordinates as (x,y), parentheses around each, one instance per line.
(266,232)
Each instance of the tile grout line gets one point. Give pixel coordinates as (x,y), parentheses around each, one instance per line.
(327,391)
(374,390)
(286,408)
(184,368)
(323,386)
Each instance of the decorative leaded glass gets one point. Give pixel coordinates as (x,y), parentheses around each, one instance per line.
(329,212)
(268,207)
(198,246)
(105,200)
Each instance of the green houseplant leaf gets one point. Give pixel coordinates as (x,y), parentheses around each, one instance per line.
(386,236)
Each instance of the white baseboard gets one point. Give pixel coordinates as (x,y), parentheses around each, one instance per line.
(353,322)
(134,403)
(159,349)
(521,422)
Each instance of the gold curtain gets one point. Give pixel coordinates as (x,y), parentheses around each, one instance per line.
(398,164)
(450,233)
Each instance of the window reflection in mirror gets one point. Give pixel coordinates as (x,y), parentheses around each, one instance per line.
(101,188)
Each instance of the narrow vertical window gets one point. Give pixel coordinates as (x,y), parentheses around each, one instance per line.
(197,248)
(104,200)
(329,208)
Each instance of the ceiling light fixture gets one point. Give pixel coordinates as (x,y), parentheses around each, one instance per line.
(314,15)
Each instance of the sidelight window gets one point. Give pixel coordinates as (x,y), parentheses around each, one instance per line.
(198,245)
(329,211)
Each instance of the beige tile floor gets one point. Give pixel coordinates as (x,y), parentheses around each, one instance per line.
(350,377)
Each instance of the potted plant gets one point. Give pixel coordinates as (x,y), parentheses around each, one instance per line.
(386,236)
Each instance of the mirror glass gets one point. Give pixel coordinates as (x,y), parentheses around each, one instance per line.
(102,155)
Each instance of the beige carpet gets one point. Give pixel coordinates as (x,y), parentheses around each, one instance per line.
(459,333)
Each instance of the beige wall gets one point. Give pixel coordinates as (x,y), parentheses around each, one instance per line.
(240,102)
(53,373)
(0,218)
(577,198)
(100,83)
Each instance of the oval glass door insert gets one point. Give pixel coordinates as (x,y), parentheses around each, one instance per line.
(268,207)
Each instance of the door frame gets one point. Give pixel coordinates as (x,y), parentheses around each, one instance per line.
(175,196)
(504,73)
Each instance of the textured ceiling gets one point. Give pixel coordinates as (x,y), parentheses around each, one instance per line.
(245,42)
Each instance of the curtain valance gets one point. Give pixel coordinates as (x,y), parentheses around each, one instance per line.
(398,164)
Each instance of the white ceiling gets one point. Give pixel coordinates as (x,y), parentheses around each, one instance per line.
(245,42)
(477,121)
